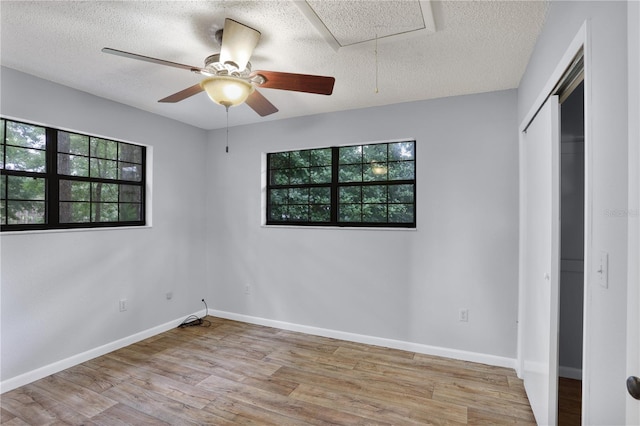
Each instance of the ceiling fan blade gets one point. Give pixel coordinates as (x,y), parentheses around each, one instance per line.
(183,94)
(260,104)
(297,82)
(238,42)
(154,60)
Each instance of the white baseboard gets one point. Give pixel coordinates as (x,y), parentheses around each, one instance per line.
(47,370)
(494,360)
(570,372)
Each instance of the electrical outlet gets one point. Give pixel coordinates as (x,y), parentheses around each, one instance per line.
(463,315)
(123,305)
(247,288)
(169,295)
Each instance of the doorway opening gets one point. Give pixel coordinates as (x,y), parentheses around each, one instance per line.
(572,248)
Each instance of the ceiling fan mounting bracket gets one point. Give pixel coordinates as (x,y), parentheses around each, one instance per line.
(218,36)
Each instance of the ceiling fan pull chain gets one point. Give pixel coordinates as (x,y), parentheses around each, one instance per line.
(227,147)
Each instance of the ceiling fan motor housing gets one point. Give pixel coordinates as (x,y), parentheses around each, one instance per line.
(213,64)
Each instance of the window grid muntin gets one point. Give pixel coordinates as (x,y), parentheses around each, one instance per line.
(52,177)
(336,185)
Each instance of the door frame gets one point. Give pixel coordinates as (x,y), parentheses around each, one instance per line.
(581,41)
(633,212)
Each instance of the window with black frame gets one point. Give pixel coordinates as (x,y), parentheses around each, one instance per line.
(54,179)
(362,185)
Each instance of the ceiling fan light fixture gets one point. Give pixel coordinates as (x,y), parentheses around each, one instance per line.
(227,91)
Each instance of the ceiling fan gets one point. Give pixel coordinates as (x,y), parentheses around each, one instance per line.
(229,79)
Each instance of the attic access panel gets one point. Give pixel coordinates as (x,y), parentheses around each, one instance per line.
(348,22)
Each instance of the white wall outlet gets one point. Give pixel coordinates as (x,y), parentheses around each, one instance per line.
(463,315)
(247,288)
(169,295)
(123,305)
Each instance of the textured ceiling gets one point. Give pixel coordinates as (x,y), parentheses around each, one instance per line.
(477,46)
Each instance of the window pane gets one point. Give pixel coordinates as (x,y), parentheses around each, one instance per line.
(299,213)
(401,193)
(298,196)
(350,194)
(104,212)
(130,194)
(72,212)
(298,176)
(25,135)
(2,146)
(320,213)
(130,153)
(279,160)
(130,212)
(24,212)
(103,148)
(376,213)
(74,191)
(279,213)
(25,188)
(375,172)
(375,153)
(404,170)
(320,174)
(130,171)
(351,173)
(279,177)
(320,157)
(73,143)
(104,192)
(298,159)
(3,203)
(374,194)
(350,213)
(401,213)
(402,151)
(106,169)
(25,159)
(350,155)
(279,196)
(73,165)
(319,195)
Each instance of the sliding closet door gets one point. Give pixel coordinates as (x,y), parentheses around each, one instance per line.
(540,219)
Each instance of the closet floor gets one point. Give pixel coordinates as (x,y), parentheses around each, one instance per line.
(569,402)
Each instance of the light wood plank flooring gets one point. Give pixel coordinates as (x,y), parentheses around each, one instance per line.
(237,373)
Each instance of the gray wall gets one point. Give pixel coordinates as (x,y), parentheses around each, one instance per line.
(60,290)
(402,285)
(607,144)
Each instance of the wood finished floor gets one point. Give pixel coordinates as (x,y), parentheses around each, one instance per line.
(569,402)
(237,373)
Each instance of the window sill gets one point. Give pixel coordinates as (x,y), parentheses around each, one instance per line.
(57,231)
(339,228)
